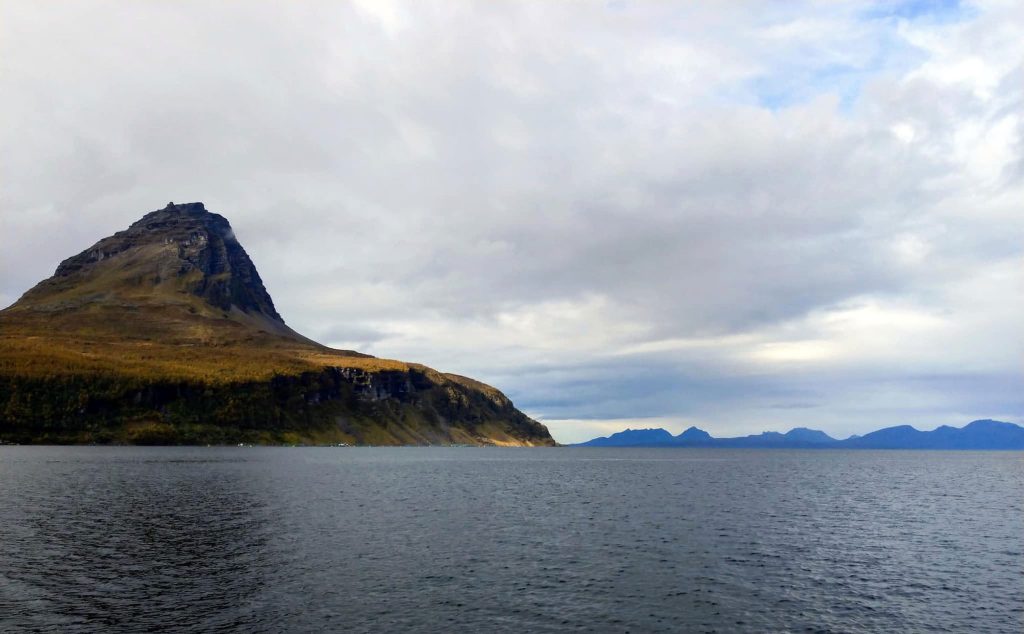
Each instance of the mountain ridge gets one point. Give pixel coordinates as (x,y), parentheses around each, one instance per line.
(978,434)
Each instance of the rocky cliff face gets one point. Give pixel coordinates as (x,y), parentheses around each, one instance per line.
(165,333)
(195,250)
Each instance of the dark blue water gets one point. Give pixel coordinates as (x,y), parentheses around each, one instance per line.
(539,540)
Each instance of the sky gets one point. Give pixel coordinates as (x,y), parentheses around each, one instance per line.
(740,216)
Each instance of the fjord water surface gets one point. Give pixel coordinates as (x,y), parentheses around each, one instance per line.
(516,540)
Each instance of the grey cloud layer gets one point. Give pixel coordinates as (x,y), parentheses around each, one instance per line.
(494,186)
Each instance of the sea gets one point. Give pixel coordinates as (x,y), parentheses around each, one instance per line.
(352,539)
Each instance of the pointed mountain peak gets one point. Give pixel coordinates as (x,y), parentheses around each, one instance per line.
(169,255)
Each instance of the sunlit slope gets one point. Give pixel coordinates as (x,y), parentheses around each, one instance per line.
(165,333)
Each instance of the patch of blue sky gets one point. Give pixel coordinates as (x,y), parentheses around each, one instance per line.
(935,11)
(803,75)
(792,86)
(795,83)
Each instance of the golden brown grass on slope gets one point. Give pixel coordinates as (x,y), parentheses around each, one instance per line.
(40,356)
(179,337)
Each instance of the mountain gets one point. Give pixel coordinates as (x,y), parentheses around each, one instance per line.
(693,436)
(631,438)
(164,333)
(795,438)
(809,436)
(980,434)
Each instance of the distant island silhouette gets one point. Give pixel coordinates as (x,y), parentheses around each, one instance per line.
(980,434)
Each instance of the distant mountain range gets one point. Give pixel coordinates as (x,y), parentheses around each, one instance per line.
(980,434)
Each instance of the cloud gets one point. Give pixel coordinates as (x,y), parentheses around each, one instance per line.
(704,212)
